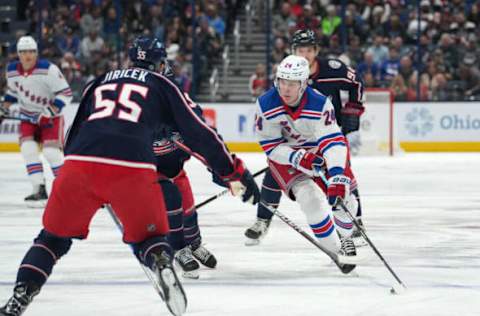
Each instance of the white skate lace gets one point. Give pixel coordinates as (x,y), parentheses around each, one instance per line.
(184,255)
(348,247)
(202,253)
(259,226)
(14,307)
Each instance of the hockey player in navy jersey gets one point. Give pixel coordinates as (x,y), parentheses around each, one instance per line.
(185,237)
(109,160)
(307,154)
(328,76)
(42,92)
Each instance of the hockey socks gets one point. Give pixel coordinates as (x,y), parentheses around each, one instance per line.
(192,231)
(37,265)
(271,194)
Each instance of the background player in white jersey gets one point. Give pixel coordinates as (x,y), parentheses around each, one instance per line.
(304,145)
(41,90)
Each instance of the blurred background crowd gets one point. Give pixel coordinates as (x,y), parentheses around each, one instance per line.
(431,56)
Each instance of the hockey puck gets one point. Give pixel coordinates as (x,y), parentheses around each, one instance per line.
(392,291)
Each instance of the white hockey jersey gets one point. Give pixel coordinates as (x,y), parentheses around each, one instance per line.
(37,88)
(311,126)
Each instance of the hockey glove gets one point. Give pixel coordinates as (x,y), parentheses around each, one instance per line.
(3,113)
(219,180)
(338,188)
(241,182)
(351,113)
(307,162)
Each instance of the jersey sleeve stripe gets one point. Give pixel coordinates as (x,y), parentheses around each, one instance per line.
(330,145)
(67,91)
(357,83)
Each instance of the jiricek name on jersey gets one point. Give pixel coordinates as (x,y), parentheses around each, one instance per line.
(126,73)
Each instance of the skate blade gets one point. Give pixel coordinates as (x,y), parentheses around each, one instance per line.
(252,242)
(191,274)
(36,204)
(175,297)
(360,242)
(359,258)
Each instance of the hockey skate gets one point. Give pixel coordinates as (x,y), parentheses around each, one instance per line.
(203,255)
(347,255)
(357,237)
(185,260)
(257,232)
(37,199)
(173,292)
(22,296)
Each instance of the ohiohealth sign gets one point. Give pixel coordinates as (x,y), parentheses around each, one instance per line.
(429,126)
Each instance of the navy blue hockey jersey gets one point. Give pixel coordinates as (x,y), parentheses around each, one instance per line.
(333,76)
(123,111)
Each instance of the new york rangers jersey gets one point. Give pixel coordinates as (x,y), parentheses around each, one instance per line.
(122,113)
(34,90)
(282,129)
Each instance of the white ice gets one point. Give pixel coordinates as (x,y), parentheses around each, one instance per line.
(422,211)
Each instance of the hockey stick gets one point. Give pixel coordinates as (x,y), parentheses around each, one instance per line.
(345,268)
(364,235)
(225,192)
(155,284)
(15,118)
(185,148)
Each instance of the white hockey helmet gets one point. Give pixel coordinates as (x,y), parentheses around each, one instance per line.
(295,68)
(26,43)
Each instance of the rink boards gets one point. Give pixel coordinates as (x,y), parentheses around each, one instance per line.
(411,127)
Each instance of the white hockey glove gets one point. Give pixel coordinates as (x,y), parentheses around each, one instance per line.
(307,162)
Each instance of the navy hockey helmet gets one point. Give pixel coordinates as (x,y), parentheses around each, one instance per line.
(147,52)
(304,38)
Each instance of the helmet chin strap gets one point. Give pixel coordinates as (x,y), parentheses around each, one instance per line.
(301,90)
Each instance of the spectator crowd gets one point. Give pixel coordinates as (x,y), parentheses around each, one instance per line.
(379,39)
(86,38)
(382,39)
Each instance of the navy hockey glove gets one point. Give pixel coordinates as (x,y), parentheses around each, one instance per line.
(242,183)
(307,162)
(218,180)
(351,113)
(3,113)
(338,188)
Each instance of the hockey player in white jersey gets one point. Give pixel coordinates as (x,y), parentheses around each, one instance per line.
(41,91)
(307,154)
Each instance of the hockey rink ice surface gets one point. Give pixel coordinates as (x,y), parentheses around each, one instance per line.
(421,210)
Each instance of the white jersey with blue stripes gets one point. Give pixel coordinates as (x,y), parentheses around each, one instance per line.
(282,130)
(34,90)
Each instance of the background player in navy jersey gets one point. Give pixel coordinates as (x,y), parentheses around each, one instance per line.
(328,76)
(185,237)
(109,160)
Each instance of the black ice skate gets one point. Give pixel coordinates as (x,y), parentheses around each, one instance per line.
(185,260)
(257,232)
(203,255)
(37,199)
(23,294)
(357,237)
(347,255)
(173,292)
